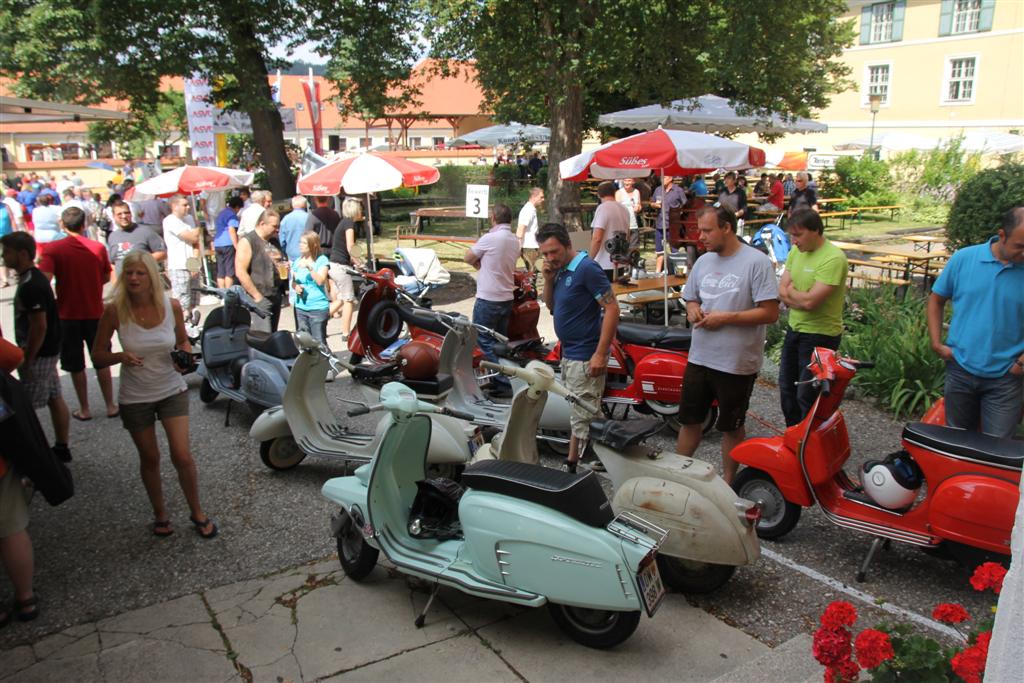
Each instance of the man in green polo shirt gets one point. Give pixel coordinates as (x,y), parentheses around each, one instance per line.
(813,286)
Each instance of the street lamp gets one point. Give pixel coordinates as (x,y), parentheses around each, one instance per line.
(875,103)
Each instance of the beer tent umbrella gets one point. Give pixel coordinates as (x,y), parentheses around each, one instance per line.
(509,134)
(672,152)
(707,114)
(191,180)
(363,174)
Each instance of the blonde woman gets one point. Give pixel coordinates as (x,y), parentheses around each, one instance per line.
(343,254)
(309,280)
(149,325)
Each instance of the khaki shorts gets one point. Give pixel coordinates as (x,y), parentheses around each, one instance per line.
(13,504)
(577,379)
(138,416)
(343,288)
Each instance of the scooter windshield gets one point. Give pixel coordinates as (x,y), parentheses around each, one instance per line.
(400,462)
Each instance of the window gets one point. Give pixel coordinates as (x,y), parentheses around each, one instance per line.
(881,22)
(966,16)
(365,142)
(960,75)
(415,142)
(438,141)
(877,82)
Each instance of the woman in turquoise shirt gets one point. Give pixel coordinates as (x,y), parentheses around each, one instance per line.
(309,280)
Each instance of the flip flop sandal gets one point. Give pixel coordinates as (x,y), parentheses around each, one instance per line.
(200,525)
(162,529)
(78,416)
(21,605)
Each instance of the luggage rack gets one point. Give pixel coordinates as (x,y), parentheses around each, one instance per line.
(634,529)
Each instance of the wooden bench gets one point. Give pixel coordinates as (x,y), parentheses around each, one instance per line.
(841,215)
(877,279)
(893,209)
(410,232)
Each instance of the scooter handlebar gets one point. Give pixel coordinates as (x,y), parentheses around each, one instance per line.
(458,414)
(555,386)
(363,410)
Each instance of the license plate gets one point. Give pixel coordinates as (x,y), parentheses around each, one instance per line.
(652,590)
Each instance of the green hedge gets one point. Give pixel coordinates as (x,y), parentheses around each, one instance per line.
(981,203)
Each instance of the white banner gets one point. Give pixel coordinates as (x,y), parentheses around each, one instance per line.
(238,121)
(200,114)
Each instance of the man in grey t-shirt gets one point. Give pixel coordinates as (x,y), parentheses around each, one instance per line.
(731,297)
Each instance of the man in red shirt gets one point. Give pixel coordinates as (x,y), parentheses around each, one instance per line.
(776,198)
(82,267)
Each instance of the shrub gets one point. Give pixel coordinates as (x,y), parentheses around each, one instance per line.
(505,177)
(908,376)
(542,177)
(937,173)
(865,181)
(981,203)
(454,179)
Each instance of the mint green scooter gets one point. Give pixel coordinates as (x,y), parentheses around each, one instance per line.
(509,531)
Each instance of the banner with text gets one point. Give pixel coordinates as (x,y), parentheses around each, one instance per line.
(200,112)
(238,121)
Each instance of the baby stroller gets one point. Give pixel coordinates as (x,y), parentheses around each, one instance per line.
(419,271)
(773,240)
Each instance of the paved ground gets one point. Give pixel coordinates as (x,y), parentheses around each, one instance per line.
(96,561)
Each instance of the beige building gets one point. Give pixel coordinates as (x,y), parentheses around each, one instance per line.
(940,67)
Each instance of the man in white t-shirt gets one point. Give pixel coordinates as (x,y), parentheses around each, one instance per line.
(181,235)
(527,228)
(610,217)
(250,216)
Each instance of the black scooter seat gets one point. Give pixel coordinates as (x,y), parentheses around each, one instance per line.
(579,496)
(966,445)
(435,386)
(278,344)
(512,348)
(621,434)
(658,336)
(374,372)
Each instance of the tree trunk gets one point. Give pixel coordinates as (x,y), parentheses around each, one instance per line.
(566,141)
(257,102)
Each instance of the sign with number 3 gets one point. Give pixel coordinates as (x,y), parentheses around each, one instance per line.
(476,201)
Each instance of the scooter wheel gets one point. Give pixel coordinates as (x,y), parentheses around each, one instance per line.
(207,394)
(357,557)
(693,578)
(597,628)
(778,515)
(281,453)
(384,324)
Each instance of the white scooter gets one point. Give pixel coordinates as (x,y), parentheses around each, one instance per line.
(304,425)
(711,530)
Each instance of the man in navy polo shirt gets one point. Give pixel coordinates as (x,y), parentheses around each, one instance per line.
(579,296)
(984,349)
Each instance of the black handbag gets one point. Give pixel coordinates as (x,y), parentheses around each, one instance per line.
(23,444)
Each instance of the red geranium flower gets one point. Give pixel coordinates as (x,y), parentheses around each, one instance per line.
(838,614)
(982,641)
(873,647)
(950,613)
(848,670)
(989,575)
(831,646)
(970,664)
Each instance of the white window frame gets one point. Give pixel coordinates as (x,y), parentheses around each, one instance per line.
(865,94)
(947,70)
(977,18)
(892,17)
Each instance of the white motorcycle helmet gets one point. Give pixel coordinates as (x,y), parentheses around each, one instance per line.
(894,482)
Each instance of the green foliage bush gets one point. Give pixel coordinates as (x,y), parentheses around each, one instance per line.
(454,179)
(937,173)
(981,203)
(908,377)
(864,180)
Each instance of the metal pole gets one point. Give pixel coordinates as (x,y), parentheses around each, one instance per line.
(871,143)
(664,243)
(372,258)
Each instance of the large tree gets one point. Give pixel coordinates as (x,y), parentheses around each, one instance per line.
(562,62)
(88,51)
(167,125)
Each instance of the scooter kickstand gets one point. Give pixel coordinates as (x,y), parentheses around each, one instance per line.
(875,545)
(227,414)
(422,618)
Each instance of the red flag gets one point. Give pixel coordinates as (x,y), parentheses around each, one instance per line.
(312,90)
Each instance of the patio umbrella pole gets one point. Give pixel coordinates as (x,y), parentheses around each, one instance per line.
(205,270)
(665,246)
(369,233)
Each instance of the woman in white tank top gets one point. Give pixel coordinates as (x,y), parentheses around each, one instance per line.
(150,325)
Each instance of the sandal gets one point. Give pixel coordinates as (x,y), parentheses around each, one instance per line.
(205,524)
(20,607)
(162,529)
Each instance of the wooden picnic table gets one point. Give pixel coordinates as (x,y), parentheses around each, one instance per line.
(923,242)
(911,261)
(647,284)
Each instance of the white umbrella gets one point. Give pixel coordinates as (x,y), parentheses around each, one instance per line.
(892,142)
(707,114)
(506,134)
(990,142)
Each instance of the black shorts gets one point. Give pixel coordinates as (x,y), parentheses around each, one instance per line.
(225,261)
(73,334)
(702,386)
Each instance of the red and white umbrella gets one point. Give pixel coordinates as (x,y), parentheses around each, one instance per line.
(364,174)
(191,180)
(672,152)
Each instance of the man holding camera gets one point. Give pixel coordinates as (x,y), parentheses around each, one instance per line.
(610,217)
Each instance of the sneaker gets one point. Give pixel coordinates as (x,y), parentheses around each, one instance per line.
(595,466)
(62,451)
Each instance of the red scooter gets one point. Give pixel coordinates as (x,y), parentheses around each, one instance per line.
(970,480)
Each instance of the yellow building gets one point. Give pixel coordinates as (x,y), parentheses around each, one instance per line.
(940,67)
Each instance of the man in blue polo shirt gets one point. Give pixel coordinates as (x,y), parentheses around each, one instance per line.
(579,296)
(984,349)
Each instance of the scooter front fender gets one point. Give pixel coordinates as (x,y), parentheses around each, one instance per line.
(975,510)
(698,529)
(771,455)
(271,424)
(548,553)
